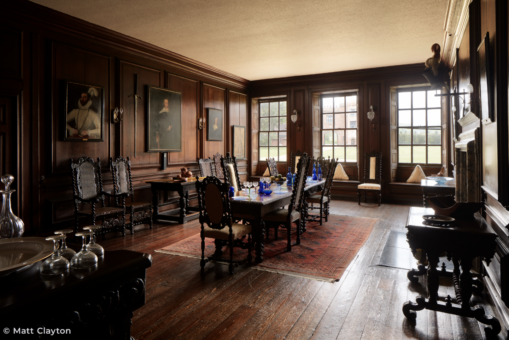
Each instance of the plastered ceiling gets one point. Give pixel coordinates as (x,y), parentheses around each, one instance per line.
(259,39)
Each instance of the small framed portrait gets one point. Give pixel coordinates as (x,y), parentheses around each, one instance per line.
(239,141)
(214,125)
(164,120)
(486,88)
(84,112)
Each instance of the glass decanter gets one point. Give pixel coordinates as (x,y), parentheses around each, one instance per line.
(92,246)
(84,258)
(56,264)
(10,224)
(66,252)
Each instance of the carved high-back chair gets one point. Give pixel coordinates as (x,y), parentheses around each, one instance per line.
(323,198)
(206,167)
(230,171)
(286,217)
(217,222)
(272,165)
(294,160)
(139,212)
(372,176)
(88,190)
(217,167)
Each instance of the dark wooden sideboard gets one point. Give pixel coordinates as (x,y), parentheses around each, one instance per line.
(93,304)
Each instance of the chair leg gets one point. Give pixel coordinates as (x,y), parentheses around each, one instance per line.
(289,237)
(359,196)
(230,267)
(379,198)
(151,213)
(132,220)
(327,211)
(298,224)
(321,213)
(249,247)
(202,262)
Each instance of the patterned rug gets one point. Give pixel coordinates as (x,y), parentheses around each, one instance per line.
(324,253)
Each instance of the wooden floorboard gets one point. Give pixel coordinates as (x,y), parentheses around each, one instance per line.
(365,304)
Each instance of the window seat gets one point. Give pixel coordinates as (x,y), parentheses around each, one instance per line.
(405,193)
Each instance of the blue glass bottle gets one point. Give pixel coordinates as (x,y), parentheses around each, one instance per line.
(319,176)
(232,192)
(289,177)
(293,178)
(261,187)
(314,172)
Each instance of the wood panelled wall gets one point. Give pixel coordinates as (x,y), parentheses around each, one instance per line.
(373,88)
(40,49)
(491,16)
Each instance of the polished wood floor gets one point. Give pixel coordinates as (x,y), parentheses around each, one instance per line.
(251,304)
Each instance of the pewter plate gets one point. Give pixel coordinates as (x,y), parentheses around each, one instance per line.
(438,218)
(18,253)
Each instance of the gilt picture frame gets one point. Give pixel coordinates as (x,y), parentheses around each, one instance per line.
(163,120)
(83,112)
(214,125)
(239,139)
(485,80)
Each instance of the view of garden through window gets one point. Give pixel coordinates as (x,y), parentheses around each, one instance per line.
(339,127)
(419,127)
(273,135)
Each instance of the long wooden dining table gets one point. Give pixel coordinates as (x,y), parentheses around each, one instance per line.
(255,207)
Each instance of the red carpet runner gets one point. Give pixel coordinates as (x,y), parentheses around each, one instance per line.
(324,253)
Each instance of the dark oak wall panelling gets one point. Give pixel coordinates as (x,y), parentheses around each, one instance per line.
(213,98)
(146,76)
(238,116)
(10,63)
(40,49)
(190,90)
(372,87)
(490,16)
(73,64)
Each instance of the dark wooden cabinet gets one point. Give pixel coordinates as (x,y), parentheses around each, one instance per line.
(92,304)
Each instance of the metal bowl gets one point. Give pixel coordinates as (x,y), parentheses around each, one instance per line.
(19,253)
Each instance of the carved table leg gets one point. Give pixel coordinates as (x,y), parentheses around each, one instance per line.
(412,274)
(432,277)
(155,203)
(410,308)
(219,249)
(466,281)
(259,235)
(478,286)
(182,206)
(480,316)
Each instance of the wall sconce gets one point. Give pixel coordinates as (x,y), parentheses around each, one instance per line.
(200,124)
(118,114)
(294,118)
(470,89)
(371,116)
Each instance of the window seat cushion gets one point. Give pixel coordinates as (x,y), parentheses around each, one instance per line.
(370,186)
